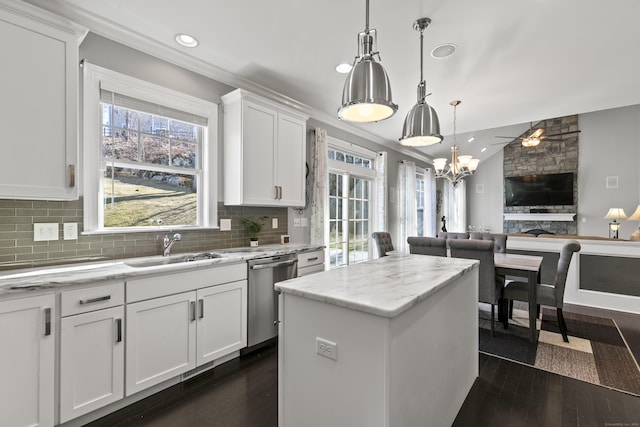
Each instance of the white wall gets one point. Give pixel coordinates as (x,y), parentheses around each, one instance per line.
(609,145)
(485,208)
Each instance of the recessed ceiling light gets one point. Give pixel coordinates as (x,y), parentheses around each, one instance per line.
(186,40)
(471,139)
(343,68)
(444,50)
(483,149)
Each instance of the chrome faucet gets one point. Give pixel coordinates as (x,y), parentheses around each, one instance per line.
(167,243)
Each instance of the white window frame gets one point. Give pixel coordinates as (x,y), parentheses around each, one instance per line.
(351,170)
(95,77)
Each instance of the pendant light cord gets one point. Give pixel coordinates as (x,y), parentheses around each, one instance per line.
(366,24)
(421,53)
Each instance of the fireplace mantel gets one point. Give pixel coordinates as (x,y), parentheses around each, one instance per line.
(539,216)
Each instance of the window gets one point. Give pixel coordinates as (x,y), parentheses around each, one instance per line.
(351,190)
(153,164)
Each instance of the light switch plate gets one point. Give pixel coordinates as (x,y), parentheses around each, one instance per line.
(44,231)
(304,222)
(70,230)
(225,225)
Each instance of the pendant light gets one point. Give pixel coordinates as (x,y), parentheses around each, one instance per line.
(366,96)
(421,126)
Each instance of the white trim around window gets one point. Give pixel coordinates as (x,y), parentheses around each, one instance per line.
(94,78)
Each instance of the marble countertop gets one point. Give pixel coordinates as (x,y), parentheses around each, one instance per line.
(51,279)
(385,287)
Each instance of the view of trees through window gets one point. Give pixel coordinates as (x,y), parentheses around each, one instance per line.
(152,169)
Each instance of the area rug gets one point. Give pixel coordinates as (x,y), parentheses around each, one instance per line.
(596,351)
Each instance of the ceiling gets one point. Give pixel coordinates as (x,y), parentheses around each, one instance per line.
(517,61)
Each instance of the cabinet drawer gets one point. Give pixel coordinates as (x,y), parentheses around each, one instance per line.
(90,299)
(307,259)
(305,271)
(184,281)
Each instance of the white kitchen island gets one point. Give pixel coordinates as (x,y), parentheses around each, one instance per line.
(391,342)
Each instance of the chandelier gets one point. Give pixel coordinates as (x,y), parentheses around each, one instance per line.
(460,166)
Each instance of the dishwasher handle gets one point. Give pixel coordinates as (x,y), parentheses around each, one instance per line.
(274,264)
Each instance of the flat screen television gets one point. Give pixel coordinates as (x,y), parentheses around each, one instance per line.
(539,190)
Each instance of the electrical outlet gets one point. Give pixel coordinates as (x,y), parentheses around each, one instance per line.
(326,348)
(304,222)
(225,225)
(296,222)
(70,230)
(45,231)
(274,222)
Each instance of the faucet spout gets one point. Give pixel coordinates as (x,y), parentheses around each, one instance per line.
(168,243)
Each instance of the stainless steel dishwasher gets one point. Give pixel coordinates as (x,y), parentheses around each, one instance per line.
(262,298)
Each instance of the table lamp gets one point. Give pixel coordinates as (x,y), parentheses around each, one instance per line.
(614,226)
(635,217)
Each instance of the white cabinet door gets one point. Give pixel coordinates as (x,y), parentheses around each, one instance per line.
(91,361)
(161,340)
(290,161)
(222,320)
(38,107)
(27,361)
(259,144)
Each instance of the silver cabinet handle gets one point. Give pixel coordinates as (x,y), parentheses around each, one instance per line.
(315,258)
(201,307)
(280,193)
(273,265)
(72,175)
(47,322)
(118,330)
(97,299)
(277,192)
(193,310)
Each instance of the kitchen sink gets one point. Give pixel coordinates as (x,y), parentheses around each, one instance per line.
(178,259)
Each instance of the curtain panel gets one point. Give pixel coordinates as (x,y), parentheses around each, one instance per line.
(406,204)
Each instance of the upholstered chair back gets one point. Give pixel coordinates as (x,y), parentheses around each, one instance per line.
(427,246)
(490,286)
(499,240)
(383,242)
(450,235)
(566,253)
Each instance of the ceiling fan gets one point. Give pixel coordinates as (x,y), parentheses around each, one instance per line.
(534,137)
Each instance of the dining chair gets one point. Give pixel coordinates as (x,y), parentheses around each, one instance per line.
(499,239)
(427,246)
(489,285)
(549,295)
(452,235)
(383,242)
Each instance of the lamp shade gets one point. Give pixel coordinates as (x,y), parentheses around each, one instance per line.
(421,126)
(366,96)
(616,213)
(636,215)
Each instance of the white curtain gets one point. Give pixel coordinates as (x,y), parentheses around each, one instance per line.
(454,201)
(406,204)
(430,216)
(379,222)
(319,180)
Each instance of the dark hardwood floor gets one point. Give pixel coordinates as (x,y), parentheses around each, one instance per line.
(243,392)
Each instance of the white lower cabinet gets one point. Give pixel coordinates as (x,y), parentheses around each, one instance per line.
(27,361)
(91,349)
(161,340)
(171,335)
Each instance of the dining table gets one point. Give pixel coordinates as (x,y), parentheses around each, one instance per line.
(525,266)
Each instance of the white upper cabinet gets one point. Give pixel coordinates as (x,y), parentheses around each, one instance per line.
(264,152)
(39,103)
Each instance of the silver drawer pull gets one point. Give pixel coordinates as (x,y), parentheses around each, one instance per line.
(192,309)
(315,258)
(92,300)
(47,322)
(118,330)
(201,307)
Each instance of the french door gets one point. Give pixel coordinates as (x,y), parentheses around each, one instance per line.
(349,218)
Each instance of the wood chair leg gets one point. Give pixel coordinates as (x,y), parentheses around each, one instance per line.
(505,318)
(492,320)
(563,325)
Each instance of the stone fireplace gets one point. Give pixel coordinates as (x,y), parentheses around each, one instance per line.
(558,155)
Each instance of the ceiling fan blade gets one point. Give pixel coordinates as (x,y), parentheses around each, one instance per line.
(537,133)
(564,133)
(501,143)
